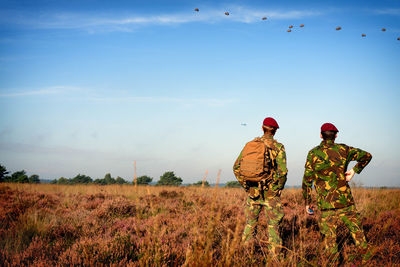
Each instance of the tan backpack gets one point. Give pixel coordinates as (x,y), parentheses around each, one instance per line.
(257,162)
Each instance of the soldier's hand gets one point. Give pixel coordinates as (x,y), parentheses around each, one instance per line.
(310,210)
(349,175)
(278,193)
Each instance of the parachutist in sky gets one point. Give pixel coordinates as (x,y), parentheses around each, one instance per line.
(243,124)
(227,13)
(301,25)
(264,18)
(383,29)
(363,35)
(338,28)
(196,9)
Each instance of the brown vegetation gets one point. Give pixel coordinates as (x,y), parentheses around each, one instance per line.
(123,225)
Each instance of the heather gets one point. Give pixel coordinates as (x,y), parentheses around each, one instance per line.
(120,225)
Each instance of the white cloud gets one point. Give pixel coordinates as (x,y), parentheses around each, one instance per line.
(38,92)
(128,22)
(99,96)
(388,11)
(183,101)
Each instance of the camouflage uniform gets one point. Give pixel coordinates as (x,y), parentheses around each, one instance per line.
(326,166)
(265,194)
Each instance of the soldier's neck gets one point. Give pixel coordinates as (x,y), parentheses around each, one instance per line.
(268,136)
(328,142)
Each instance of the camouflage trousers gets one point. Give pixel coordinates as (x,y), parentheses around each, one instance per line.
(328,225)
(274,214)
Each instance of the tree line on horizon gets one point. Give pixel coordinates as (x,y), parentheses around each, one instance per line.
(168,178)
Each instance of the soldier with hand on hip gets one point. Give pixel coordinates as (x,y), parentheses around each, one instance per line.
(326,168)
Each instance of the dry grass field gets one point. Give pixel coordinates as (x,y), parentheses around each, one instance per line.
(49,225)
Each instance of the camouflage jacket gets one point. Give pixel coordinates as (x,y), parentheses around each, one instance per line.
(279,173)
(325,166)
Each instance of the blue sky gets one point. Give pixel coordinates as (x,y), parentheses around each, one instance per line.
(90,86)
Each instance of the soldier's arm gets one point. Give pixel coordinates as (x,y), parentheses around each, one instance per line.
(281,175)
(236,167)
(362,157)
(308,179)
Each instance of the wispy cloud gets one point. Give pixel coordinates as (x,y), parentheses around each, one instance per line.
(127,22)
(184,101)
(388,11)
(30,148)
(38,92)
(71,152)
(102,96)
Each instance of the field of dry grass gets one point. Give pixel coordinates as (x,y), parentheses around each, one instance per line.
(123,225)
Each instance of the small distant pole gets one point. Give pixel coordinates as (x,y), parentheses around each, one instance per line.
(218,176)
(135,178)
(204,178)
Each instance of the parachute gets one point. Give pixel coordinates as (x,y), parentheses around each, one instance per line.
(291,27)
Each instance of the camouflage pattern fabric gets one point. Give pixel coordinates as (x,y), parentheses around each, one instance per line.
(328,225)
(265,194)
(325,166)
(274,214)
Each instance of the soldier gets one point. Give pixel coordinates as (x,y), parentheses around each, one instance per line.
(265,192)
(326,167)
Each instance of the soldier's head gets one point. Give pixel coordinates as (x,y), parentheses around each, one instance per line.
(328,131)
(270,126)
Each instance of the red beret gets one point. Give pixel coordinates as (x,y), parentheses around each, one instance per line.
(328,127)
(270,122)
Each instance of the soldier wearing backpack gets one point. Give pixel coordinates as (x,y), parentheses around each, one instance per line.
(261,170)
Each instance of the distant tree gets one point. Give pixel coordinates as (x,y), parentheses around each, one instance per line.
(169,178)
(34,179)
(100,181)
(54,181)
(108,179)
(233,184)
(63,180)
(81,179)
(144,179)
(3,173)
(120,180)
(199,183)
(19,177)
